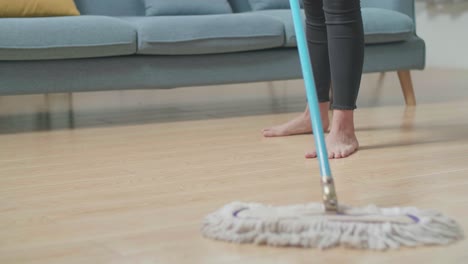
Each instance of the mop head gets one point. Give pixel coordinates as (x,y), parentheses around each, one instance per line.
(309,226)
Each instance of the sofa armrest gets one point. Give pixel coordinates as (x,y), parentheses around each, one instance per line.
(403,6)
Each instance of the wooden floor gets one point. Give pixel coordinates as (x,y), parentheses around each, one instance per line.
(127,177)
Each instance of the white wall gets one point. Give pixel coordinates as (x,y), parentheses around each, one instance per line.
(444,27)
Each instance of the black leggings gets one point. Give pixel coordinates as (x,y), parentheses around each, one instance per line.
(335,38)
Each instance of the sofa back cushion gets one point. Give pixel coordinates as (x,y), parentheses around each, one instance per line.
(186,7)
(270,4)
(403,6)
(239,6)
(111,7)
(136,7)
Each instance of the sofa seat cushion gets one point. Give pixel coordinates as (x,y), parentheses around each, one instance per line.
(206,34)
(65,38)
(380,25)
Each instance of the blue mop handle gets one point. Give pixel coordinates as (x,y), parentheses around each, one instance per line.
(311,92)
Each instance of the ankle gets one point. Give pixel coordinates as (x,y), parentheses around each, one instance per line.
(343,121)
(324,112)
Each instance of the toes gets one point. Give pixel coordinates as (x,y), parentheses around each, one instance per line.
(311,155)
(274,132)
(333,154)
(339,155)
(269,133)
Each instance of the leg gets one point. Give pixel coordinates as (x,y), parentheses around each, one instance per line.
(407,87)
(316,32)
(346,52)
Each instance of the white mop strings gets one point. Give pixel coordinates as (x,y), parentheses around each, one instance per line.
(308,226)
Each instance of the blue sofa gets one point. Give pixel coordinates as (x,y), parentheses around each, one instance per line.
(113,46)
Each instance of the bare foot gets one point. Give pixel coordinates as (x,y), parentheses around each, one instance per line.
(342,141)
(299,125)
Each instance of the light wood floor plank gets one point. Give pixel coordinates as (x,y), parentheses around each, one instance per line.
(132,179)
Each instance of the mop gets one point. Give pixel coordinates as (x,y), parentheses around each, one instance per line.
(327,224)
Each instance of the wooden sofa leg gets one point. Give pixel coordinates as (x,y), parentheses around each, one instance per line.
(407,87)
